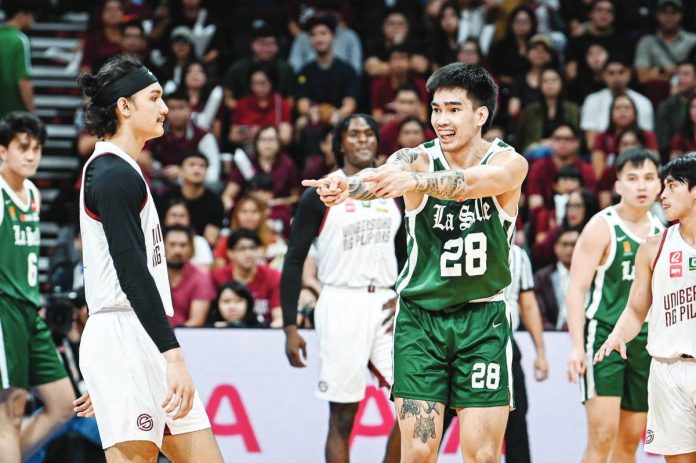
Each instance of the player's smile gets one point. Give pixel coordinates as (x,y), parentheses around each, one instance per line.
(446,135)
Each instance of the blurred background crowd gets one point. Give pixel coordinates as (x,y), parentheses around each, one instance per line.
(254,89)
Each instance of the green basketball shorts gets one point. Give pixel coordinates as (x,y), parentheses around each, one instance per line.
(28,356)
(461,359)
(614,376)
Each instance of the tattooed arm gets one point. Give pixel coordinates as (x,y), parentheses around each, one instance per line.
(446,184)
(401,161)
(404,158)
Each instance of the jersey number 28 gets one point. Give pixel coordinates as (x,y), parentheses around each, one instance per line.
(474,248)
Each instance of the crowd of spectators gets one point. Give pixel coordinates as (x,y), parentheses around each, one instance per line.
(254,90)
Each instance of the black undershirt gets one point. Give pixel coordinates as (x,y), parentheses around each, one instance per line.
(306,222)
(115,191)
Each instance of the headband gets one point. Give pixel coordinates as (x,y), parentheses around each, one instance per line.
(125,86)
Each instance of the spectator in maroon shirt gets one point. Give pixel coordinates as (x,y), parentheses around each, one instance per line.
(684,141)
(264,283)
(192,288)
(581,207)
(261,187)
(105,40)
(622,115)
(407,103)
(263,107)
(269,159)
(234,308)
(565,142)
(253,214)
(182,136)
(383,89)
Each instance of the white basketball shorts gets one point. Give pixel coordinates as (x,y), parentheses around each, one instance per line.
(671,426)
(352,337)
(126,379)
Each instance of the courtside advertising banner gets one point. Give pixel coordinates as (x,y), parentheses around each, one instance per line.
(263,410)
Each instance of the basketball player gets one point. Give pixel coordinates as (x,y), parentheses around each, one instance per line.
(139,385)
(615,392)
(28,357)
(360,247)
(665,286)
(452,332)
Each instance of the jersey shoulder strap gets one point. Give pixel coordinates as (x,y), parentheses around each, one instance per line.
(496,147)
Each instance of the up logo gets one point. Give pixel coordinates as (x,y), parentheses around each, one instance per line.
(145,422)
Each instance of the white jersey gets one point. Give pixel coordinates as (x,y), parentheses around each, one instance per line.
(672,321)
(102,288)
(355,245)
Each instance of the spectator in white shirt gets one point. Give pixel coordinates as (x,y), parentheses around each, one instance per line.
(595,109)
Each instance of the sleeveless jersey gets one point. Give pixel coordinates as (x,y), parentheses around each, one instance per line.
(20,238)
(458,252)
(672,318)
(102,288)
(355,244)
(612,280)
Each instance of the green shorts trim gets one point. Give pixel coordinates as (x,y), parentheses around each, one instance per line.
(28,356)
(461,359)
(614,376)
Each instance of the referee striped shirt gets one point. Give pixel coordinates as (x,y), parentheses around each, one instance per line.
(522,280)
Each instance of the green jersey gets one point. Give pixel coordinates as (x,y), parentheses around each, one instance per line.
(19,243)
(14,56)
(612,280)
(458,251)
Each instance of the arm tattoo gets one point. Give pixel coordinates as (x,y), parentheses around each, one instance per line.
(404,157)
(445,184)
(357,189)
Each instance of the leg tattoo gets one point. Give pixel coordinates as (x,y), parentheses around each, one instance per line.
(425,428)
(409,408)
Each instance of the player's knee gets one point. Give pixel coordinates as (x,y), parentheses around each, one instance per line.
(602,438)
(481,454)
(417,453)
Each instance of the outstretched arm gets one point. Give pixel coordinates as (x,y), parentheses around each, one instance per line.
(505,173)
(335,189)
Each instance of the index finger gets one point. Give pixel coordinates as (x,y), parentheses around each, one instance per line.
(376,177)
(311,183)
(170,395)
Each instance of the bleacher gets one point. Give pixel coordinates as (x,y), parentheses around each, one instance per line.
(55,60)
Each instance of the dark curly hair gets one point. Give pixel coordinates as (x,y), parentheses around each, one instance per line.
(18,122)
(101,120)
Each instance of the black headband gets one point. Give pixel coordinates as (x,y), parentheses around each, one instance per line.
(125,86)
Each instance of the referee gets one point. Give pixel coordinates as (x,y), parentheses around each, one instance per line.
(523,305)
